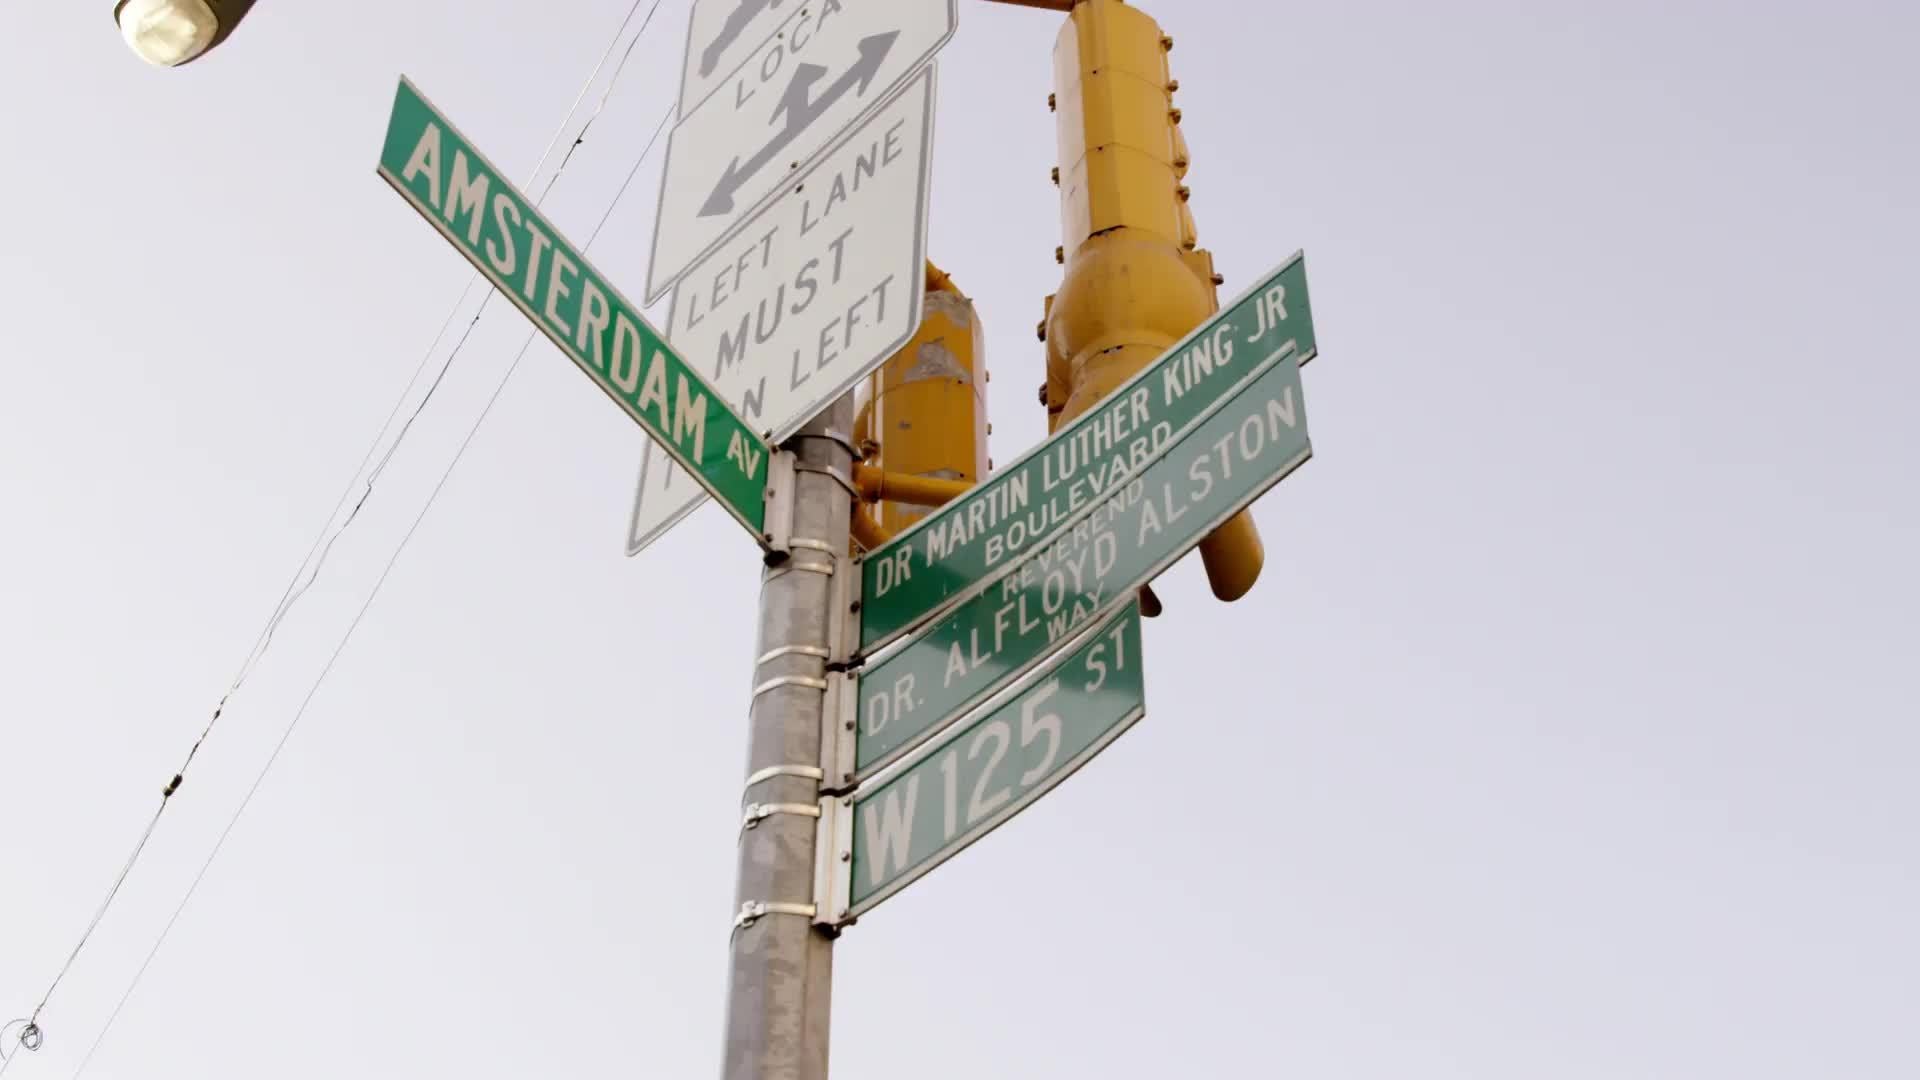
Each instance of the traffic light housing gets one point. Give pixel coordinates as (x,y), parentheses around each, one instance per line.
(1136,281)
(922,419)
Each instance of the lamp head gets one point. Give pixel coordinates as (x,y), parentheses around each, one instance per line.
(168,33)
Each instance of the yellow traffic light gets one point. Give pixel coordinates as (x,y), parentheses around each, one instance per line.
(1135,282)
(922,421)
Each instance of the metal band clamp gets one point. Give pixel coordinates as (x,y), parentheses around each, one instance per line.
(804,772)
(834,476)
(816,651)
(790,566)
(759,812)
(807,681)
(832,435)
(753,910)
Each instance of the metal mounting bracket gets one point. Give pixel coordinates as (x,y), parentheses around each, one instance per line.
(778,537)
(833,861)
(843,622)
(838,718)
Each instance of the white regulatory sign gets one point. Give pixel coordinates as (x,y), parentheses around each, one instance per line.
(814,292)
(824,65)
(720,33)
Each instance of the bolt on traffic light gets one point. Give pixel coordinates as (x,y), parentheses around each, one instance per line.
(1136,281)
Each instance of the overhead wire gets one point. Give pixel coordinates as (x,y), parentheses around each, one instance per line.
(31,1034)
(341,646)
(308,568)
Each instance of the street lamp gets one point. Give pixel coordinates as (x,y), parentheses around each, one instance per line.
(169,33)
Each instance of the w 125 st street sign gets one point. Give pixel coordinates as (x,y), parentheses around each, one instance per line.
(824,66)
(989,769)
(965,545)
(817,288)
(509,241)
(1212,471)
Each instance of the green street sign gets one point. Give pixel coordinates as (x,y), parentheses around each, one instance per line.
(499,230)
(990,769)
(1248,443)
(965,545)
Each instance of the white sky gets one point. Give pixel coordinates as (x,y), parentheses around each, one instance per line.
(1570,733)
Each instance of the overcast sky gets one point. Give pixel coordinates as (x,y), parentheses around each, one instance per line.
(1570,733)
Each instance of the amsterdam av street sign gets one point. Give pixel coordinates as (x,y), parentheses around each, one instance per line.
(989,768)
(823,68)
(973,540)
(509,241)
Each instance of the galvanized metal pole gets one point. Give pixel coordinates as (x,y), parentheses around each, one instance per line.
(781,980)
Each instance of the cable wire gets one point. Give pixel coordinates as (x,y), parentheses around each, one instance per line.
(323,542)
(316,556)
(339,648)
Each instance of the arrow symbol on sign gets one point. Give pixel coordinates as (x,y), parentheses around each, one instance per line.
(737,20)
(801,109)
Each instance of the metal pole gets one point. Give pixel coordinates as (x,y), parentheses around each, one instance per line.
(781,979)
